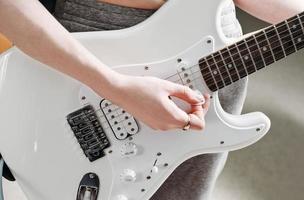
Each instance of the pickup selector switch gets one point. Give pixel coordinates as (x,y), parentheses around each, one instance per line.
(129,149)
(155,169)
(128,175)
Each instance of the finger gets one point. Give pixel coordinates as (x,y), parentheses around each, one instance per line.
(180,117)
(186,94)
(197,108)
(197,121)
(206,105)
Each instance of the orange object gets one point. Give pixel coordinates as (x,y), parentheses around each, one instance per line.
(4,43)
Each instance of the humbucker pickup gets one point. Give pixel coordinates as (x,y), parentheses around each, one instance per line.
(122,123)
(89,132)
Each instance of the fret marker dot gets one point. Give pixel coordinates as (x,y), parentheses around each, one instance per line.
(246,57)
(264,48)
(294,26)
(214,72)
(229,65)
(299,39)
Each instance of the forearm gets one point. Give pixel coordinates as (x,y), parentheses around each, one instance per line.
(272,11)
(37,33)
(145,4)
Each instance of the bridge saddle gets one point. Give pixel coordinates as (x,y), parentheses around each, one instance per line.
(89,132)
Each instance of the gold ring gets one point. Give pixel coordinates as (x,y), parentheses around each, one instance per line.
(187,125)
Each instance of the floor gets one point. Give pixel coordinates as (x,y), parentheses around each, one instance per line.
(272,169)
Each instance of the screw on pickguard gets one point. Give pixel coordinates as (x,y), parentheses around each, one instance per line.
(122,123)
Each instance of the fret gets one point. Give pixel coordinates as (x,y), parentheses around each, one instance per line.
(251,55)
(230,65)
(267,40)
(237,60)
(215,72)
(225,65)
(281,43)
(203,66)
(285,36)
(244,66)
(300,19)
(255,52)
(246,57)
(275,43)
(291,36)
(295,28)
(222,68)
(265,48)
(207,75)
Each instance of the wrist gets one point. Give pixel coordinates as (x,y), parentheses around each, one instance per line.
(107,83)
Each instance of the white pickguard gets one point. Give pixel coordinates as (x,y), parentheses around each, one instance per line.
(39,146)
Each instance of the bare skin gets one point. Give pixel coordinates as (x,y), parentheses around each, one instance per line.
(144,4)
(23,20)
(37,33)
(272,11)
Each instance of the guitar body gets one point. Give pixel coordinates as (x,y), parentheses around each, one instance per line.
(39,146)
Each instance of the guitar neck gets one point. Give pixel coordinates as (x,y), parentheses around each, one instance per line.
(251,54)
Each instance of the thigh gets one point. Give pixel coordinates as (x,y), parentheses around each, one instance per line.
(192,180)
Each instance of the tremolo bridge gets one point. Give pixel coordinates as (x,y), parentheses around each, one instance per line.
(89,132)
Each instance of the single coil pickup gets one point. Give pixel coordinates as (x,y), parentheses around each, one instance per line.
(89,132)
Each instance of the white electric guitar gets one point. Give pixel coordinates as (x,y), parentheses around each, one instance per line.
(64,142)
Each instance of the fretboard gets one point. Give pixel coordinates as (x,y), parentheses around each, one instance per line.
(251,54)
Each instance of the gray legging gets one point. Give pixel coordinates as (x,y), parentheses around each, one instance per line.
(195,178)
(1,172)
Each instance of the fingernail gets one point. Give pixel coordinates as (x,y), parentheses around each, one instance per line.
(201,98)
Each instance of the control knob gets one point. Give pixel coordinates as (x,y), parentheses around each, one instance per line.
(128,175)
(129,149)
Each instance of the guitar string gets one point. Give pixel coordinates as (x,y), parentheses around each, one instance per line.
(273,26)
(257,49)
(196,78)
(285,24)
(256,44)
(207,75)
(243,69)
(213,84)
(215,63)
(249,55)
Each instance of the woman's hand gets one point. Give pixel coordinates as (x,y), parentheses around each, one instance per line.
(148,99)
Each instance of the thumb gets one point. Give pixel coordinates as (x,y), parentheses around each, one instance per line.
(187,94)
